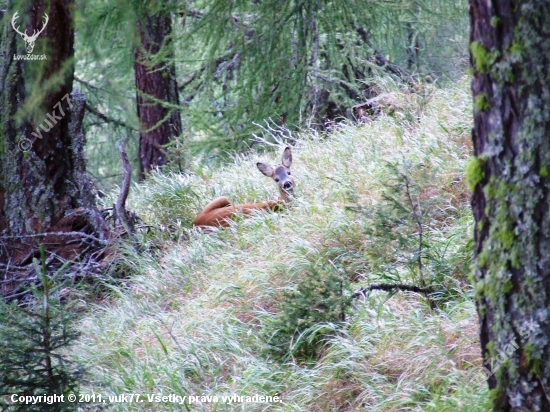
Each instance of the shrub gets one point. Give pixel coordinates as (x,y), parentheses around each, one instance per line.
(408,235)
(33,339)
(307,314)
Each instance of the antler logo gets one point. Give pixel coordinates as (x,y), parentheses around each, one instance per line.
(29,40)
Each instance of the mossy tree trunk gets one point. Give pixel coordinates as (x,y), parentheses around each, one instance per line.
(42,168)
(510,175)
(157,89)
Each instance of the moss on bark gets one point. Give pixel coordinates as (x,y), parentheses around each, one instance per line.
(511,203)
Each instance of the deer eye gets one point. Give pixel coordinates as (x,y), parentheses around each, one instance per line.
(288,173)
(277,180)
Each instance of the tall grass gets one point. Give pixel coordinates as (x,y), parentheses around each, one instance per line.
(192,317)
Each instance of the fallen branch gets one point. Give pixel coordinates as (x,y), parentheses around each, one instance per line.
(364,292)
(76,234)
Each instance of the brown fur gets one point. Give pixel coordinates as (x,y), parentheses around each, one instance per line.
(220,211)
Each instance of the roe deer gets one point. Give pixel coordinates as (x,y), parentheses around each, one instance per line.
(220,211)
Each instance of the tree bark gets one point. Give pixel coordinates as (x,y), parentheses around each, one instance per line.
(157,90)
(42,167)
(510,174)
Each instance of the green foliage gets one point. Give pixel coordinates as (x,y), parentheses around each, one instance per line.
(34,339)
(177,154)
(303,62)
(240,64)
(169,200)
(104,38)
(307,314)
(270,60)
(405,233)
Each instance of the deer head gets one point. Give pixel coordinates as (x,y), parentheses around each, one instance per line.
(281,175)
(29,40)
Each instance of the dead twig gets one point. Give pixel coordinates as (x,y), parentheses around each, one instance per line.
(75,234)
(122,218)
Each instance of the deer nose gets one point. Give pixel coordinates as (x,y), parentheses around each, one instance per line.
(287,185)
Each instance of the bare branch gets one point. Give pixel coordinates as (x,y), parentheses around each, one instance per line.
(120,206)
(363,292)
(75,234)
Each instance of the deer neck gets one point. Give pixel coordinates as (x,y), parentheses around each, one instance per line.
(285,196)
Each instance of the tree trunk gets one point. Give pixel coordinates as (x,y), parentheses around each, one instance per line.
(43,183)
(155,84)
(510,174)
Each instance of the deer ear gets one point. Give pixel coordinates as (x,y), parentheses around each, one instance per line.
(265,169)
(287,157)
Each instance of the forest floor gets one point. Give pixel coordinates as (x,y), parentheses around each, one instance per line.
(264,307)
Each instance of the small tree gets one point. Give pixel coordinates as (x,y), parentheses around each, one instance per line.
(308,314)
(405,239)
(33,341)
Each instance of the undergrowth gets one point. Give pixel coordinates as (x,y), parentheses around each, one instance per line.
(264,307)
